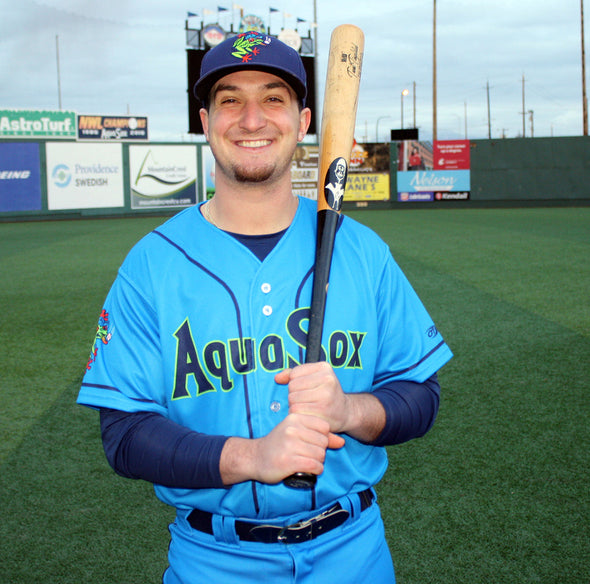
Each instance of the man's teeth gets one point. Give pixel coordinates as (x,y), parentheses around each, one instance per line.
(255,144)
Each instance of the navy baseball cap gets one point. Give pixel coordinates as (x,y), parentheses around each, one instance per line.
(251,50)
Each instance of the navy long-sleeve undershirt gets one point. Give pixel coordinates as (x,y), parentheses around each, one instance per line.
(146,445)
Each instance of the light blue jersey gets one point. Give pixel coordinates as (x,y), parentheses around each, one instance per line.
(195,327)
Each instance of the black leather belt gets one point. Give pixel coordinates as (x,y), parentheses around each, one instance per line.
(288,534)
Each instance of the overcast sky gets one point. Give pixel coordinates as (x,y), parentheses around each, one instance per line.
(120,56)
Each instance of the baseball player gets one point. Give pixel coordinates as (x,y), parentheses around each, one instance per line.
(198,366)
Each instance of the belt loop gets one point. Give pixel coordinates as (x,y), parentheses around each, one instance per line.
(224,529)
(367,497)
(355,506)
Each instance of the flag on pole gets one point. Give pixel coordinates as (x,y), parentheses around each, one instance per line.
(274,10)
(221,9)
(191,14)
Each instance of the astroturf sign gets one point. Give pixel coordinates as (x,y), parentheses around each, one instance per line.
(37,124)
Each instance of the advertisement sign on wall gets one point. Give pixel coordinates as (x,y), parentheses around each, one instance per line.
(368,176)
(112,128)
(84,176)
(37,124)
(368,173)
(208,168)
(20,181)
(433,171)
(451,155)
(304,171)
(163,176)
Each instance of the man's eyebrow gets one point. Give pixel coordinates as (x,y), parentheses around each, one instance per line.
(277,85)
(224,87)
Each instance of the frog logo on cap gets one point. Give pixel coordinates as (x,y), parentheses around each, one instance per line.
(248,45)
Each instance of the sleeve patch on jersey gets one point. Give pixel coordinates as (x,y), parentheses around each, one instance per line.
(104,333)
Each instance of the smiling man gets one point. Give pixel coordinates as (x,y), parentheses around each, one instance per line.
(255,117)
(202,384)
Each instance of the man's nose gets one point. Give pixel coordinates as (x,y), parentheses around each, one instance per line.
(253,117)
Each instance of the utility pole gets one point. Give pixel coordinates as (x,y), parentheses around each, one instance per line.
(465,110)
(434,133)
(523,110)
(531,113)
(58,73)
(489,113)
(414,97)
(584,98)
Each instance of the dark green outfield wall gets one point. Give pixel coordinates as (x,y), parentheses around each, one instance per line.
(531,169)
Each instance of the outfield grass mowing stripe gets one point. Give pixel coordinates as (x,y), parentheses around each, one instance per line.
(495,493)
(55,276)
(536,258)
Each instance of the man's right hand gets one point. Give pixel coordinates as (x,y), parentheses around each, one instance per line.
(297,444)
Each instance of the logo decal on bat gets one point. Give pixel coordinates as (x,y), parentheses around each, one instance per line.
(336,183)
(353,60)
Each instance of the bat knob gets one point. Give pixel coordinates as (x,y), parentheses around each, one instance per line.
(301,480)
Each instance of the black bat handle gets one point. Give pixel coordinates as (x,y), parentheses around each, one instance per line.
(327,225)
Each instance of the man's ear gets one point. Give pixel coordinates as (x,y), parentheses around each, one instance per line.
(304,121)
(204,114)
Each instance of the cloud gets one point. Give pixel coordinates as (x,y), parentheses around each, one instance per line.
(127,53)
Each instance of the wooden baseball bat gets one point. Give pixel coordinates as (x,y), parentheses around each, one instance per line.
(336,140)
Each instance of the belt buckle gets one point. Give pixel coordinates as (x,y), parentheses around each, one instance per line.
(303,530)
(295,533)
(297,529)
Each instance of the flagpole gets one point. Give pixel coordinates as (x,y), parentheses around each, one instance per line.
(315,61)
(315,28)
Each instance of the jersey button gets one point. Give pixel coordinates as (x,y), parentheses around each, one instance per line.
(275,406)
(267,310)
(265,287)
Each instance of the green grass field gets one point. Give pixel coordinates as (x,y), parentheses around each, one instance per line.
(497,492)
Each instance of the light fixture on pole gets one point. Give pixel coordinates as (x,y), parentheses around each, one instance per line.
(404,93)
